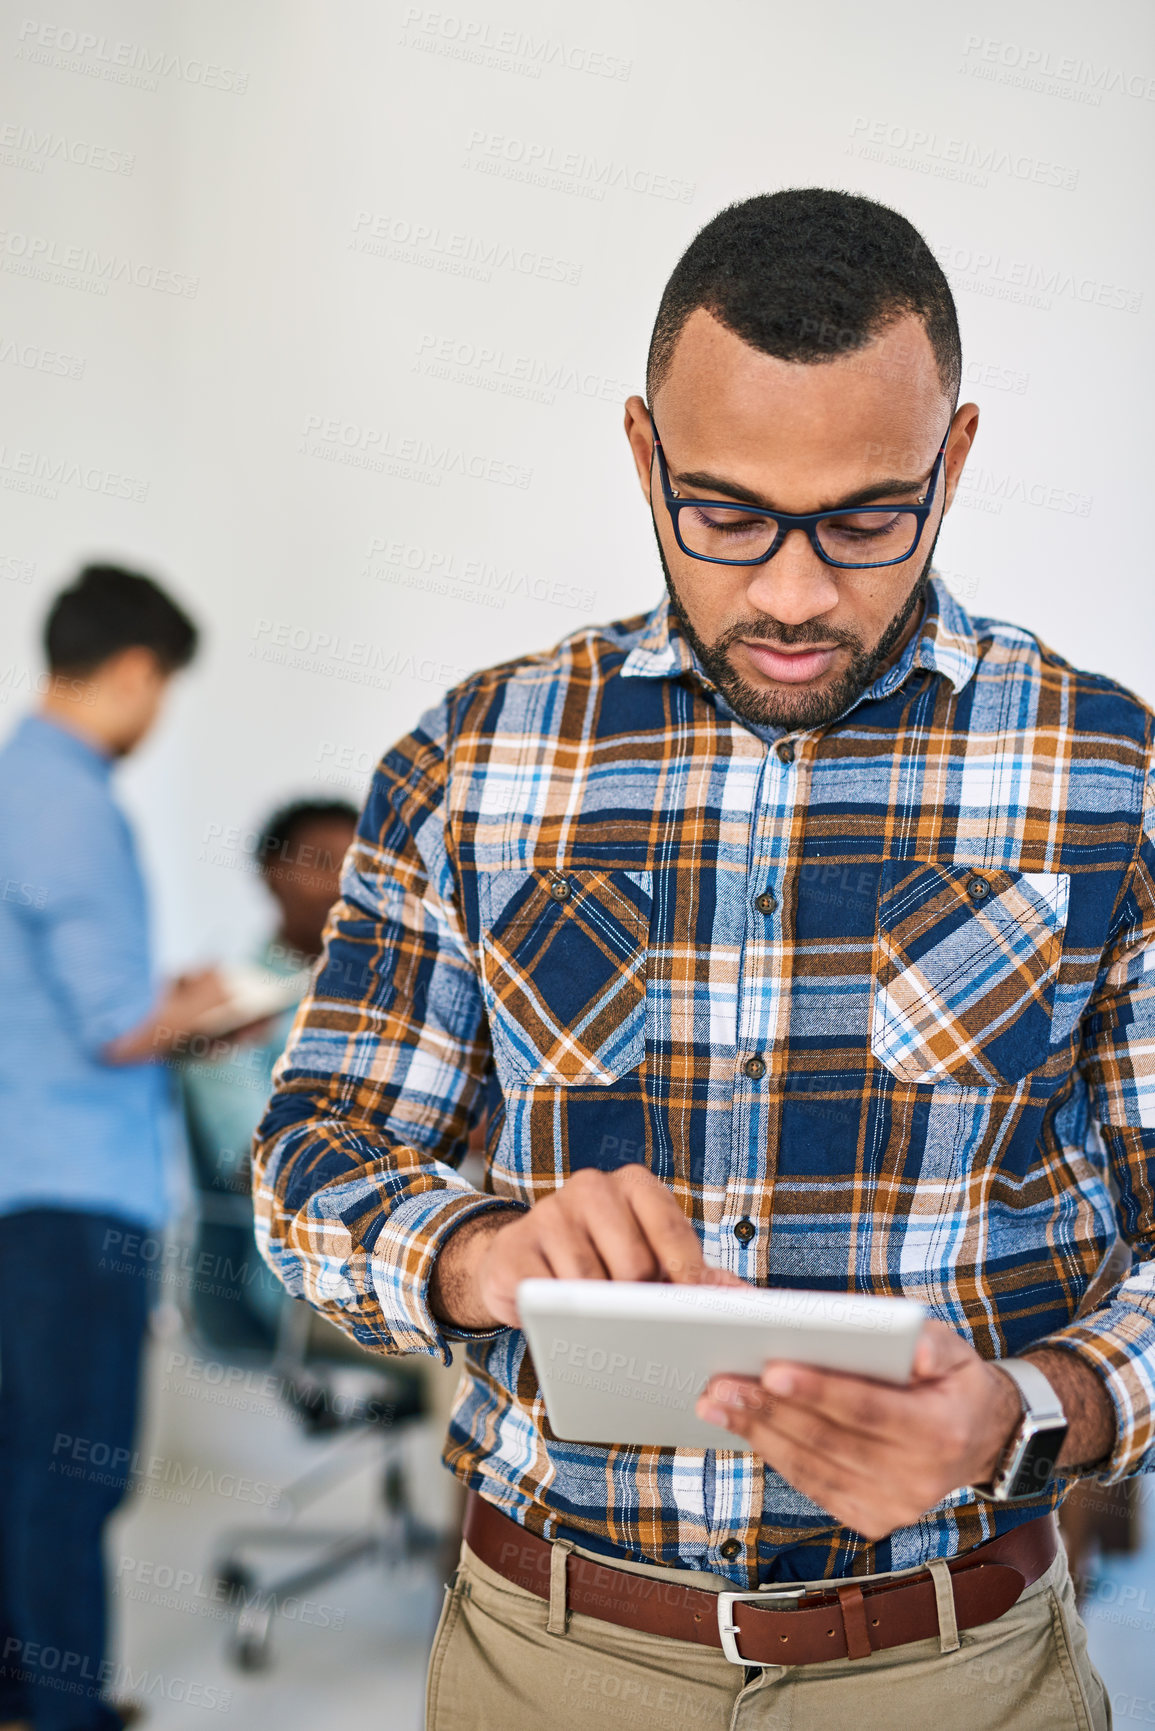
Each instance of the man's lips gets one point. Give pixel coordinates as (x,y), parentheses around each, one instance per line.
(789,666)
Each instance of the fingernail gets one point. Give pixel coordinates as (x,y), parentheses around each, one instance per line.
(713,1414)
(778,1379)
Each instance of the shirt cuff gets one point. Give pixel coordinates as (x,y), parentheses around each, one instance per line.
(103,1026)
(1122,1357)
(413,1237)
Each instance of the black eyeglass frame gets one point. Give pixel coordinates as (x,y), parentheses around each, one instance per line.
(786,520)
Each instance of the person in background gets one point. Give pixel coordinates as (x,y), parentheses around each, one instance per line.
(84,1022)
(298,853)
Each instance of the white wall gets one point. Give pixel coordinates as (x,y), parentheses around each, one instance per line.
(258,134)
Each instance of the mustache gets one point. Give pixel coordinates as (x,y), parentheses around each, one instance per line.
(779,636)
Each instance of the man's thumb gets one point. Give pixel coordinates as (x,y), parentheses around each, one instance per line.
(939,1350)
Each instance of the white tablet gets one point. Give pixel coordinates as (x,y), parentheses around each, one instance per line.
(625,1361)
(254,993)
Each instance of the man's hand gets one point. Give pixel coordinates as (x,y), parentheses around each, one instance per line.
(185,1000)
(875,1456)
(621,1225)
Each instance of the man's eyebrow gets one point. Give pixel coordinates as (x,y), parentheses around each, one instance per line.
(716,486)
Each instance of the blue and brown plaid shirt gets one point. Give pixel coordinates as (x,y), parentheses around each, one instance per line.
(874,1000)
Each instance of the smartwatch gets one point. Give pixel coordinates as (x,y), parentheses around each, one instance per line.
(1028,1463)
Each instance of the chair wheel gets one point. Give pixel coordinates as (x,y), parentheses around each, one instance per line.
(249,1655)
(251,1642)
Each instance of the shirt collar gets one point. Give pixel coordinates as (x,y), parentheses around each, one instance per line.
(660,652)
(45,731)
(945,644)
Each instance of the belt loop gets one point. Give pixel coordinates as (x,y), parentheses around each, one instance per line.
(854,1620)
(558,1557)
(944,1596)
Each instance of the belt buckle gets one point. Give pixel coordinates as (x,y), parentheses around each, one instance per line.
(728,1629)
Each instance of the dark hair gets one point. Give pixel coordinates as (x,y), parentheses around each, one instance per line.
(105,610)
(808,275)
(280,830)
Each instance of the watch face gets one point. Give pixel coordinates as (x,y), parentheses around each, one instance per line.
(1036,1465)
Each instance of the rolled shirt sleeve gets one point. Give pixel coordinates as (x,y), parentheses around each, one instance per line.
(93,921)
(1117,1339)
(356,1187)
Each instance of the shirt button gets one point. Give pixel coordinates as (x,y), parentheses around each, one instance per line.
(766,902)
(559,889)
(744,1230)
(730,1548)
(978,889)
(785,752)
(755,1069)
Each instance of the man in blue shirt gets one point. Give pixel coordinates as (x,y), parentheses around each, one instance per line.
(83,1023)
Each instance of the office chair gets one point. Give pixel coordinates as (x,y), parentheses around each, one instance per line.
(244,1317)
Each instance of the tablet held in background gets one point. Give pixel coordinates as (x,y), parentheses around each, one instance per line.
(254,993)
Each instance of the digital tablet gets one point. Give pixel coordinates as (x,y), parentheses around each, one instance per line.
(254,993)
(625,1361)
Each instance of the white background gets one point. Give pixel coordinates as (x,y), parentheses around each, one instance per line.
(328,182)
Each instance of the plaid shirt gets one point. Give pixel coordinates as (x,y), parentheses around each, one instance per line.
(879,992)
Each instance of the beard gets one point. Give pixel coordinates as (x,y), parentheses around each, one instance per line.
(798,708)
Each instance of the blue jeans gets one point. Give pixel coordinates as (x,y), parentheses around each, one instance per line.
(73,1309)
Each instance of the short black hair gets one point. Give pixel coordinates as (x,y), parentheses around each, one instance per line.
(278,832)
(808,274)
(106,609)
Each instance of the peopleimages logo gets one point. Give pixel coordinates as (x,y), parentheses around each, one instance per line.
(83,267)
(575,172)
(94,56)
(1026,282)
(396,238)
(929,152)
(384,451)
(503,49)
(40,360)
(487,367)
(36,472)
(73,1673)
(25,147)
(441,572)
(1034,68)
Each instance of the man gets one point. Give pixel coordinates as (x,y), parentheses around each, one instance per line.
(298,854)
(83,1021)
(795,929)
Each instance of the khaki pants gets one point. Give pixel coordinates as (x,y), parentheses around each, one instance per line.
(495,1667)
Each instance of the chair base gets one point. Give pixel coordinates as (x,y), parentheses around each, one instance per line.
(257,1596)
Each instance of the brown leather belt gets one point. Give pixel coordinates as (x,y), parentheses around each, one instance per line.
(781,1625)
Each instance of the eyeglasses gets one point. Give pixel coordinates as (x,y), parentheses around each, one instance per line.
(858,539)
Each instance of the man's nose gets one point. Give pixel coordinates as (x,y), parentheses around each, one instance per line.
(795,585)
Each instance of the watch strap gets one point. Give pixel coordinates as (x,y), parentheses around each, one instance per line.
(1040,1402)
(1041,1411)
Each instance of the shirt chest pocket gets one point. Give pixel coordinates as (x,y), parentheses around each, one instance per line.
(967,960)
(563,961)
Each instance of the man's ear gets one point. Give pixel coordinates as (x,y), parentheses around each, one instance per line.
(963,428)
(640,433)
(136,673)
